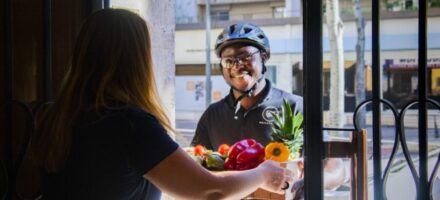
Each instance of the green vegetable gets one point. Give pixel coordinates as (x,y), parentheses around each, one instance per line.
(214,161)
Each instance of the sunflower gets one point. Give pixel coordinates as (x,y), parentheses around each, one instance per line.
(277,151)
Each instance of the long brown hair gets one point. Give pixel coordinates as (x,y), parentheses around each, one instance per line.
(112,62)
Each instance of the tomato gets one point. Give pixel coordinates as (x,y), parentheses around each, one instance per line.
(199,150)
(223,149)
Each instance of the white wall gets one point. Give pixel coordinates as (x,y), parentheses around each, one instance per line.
(160,16)
(190,97)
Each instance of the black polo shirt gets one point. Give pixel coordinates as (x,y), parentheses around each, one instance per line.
(220,125)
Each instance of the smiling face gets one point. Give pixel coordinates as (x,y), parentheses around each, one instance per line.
(246,68)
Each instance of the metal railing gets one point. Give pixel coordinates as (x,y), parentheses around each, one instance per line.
(313,109)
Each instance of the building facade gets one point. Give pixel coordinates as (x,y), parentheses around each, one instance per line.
(282,22)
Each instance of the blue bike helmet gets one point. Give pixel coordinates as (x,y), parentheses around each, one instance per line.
(246,33)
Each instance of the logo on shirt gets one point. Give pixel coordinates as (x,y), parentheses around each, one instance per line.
(268,113)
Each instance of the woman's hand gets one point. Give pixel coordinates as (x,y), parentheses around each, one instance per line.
(275,176)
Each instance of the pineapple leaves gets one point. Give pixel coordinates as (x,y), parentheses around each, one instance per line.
(287,116)
(278,122)
(287,128)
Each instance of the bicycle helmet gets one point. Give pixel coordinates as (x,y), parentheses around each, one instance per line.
(242,33)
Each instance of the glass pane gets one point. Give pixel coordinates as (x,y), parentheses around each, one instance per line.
(347,81)
(336,170)
(398,66)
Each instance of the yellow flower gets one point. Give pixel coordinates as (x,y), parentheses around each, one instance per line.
(277,151)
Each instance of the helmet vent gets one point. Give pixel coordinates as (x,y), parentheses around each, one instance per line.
(247,30)
(231,29)
(246,33)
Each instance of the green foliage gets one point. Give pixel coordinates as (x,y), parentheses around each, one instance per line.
(287,128)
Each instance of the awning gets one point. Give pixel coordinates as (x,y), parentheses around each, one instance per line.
(347,64)
(412,66)
(409,63)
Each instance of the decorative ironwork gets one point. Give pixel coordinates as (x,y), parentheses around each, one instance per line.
(399,138)
(313,115)
(30,125)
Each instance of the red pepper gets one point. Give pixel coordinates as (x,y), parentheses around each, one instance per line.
(245,154)
(235,149)
(250,157)
(229,164)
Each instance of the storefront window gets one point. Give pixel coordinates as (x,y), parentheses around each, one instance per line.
(349,80)
(278,12)
(326,83)
(402,82)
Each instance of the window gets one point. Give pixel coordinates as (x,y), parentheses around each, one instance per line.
(326,83)
(220,15)
(271,74)
(394,5)
(297,79)
(350,74)
(278,12)
(402,82)
(408,4)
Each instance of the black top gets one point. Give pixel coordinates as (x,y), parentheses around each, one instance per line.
(109,156)
(220,124)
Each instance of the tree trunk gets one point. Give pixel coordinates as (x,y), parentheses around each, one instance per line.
(337,79)
(360,62)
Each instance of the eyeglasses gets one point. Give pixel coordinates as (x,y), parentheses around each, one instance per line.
(229,62)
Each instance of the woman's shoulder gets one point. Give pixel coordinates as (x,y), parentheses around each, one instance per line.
(136,114)
(134,111)
(132,117)
(130,113)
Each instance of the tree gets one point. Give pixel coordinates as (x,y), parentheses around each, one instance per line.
(337,79)
(360,62)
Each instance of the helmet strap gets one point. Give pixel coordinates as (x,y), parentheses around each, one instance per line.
(264,68)
(244,94)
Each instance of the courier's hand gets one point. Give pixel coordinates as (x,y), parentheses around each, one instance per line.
(298,189)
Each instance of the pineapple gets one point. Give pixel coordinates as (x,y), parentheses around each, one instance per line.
(287,128)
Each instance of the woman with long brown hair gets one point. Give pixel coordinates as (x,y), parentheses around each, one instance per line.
(105,137)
